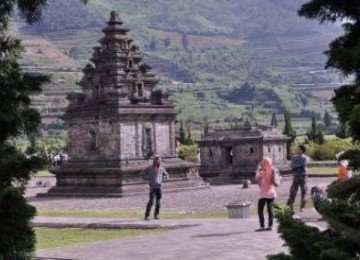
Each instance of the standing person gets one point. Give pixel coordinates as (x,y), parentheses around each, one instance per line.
(264,178)
(342,170)
(298,167)
(154,174)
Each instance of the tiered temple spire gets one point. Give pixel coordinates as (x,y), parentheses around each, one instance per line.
(118,74)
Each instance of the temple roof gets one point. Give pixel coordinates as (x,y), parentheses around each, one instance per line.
(245,133)
(114,18)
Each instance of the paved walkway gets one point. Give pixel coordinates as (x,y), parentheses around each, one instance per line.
(193,239)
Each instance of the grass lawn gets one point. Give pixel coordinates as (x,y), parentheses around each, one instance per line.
(322,170)
(50,238)
(43,173)
(127,213)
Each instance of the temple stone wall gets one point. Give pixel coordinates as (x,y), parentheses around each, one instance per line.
(128,140)
(108,139)
(163,139)
(229,156)
(275,151)
(212,156)
(246,154)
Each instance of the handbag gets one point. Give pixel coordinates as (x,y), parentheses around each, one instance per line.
(276,177)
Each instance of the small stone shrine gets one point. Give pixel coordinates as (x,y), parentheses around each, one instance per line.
(117,124)
(231,156)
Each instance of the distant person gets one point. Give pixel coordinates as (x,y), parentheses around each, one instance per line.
(338,156)
(154,174)
(344,172)
(298,165)
(198,156)
(177,147)
(264,178)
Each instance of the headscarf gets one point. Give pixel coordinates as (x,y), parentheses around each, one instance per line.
(266,168)
(344,163)
(157,157)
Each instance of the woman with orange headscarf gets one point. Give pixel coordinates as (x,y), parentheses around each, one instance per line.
(264,179)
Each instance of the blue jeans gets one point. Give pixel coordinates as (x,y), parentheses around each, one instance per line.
(154,193)
(261,206)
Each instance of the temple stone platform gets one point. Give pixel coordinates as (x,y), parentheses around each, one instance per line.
(238,176)
(122,181)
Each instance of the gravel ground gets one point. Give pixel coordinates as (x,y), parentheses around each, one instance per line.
(211,199)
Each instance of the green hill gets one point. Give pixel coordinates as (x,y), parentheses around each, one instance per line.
(245,18)
(204,51)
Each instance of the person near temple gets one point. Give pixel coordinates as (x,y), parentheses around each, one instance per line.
(155,175)
(299,169)
(264,178)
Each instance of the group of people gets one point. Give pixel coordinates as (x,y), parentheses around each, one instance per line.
(265,177)
(56,159)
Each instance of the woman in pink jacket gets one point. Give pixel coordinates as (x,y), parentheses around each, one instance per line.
(267,192)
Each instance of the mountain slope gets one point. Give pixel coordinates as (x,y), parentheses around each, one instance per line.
(204,52)
(245,18)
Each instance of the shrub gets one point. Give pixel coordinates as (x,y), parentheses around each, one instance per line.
(322,152)
(17,238)
(306,242)
(188,152)
(327,150)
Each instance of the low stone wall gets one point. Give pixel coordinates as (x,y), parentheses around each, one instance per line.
(322,164)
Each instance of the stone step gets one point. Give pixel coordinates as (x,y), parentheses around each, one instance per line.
(107,194)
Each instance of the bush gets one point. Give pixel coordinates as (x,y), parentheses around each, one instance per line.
(17,238)
(188,152)
(306,242)
(322,152)
(327,150)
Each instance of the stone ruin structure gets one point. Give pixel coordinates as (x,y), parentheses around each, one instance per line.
(117,124)
(231,156)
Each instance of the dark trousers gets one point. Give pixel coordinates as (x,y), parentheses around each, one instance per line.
(299,181)
(261,205)
(154,193)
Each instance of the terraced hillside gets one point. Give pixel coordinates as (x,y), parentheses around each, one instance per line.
(204,51)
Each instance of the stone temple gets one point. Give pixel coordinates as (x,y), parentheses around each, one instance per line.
(231,156)
(117,124)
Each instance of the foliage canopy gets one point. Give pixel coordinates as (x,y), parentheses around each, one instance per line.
(16,119)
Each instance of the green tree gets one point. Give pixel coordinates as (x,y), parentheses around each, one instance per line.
(167,42)
(342,55)
(185,41)
(342,212)
(247,123)
(341,132)
(327,119)
(182,138)
(152,44)
(206,127)
(315,134)
(17,238)
(189,139)
(74,52)
(273,120)
(289,131)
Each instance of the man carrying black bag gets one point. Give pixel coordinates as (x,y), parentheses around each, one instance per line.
(154,174)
